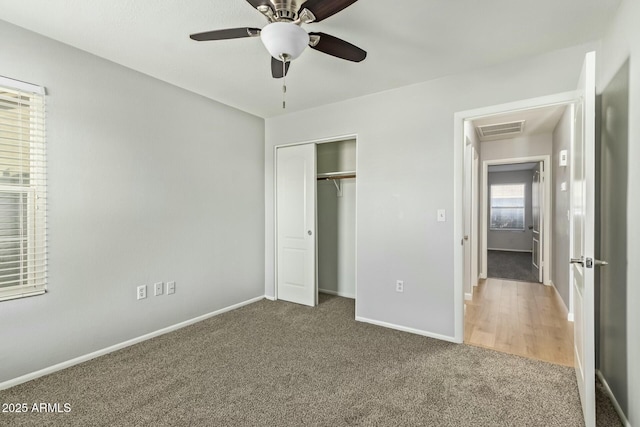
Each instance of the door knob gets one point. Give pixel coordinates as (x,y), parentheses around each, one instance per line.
(309,233)
(590,262)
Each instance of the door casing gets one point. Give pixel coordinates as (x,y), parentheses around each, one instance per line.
(546,228)
(564,98)
(275,210)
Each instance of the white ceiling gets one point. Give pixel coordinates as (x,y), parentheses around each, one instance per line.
(407,41)
(536,121)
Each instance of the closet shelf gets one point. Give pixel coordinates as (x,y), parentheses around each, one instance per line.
(336,175)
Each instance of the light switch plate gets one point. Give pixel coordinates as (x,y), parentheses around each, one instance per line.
(563,158)
(442,216)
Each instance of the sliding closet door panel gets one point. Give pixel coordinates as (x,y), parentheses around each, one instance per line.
(296,230)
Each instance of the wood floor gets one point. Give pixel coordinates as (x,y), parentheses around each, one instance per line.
(527,319)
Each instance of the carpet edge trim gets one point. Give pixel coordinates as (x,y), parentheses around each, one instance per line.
(613,399)
(407,329)
(80,359)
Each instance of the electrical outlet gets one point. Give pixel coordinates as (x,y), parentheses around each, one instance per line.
(158,288)
(142,292)
(399,286)
(171,288)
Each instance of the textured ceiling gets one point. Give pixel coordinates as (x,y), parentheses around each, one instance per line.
(407,41)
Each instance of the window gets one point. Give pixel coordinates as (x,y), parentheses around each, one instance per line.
(507,207)
(23,248)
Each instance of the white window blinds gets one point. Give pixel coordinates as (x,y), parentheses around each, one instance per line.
(507,207)
(23,197)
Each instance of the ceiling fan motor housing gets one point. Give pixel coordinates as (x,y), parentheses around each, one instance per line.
(286,9)
(284,40)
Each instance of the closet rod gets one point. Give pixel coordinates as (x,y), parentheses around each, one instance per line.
(344,176)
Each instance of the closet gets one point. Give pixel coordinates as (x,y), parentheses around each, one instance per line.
(336,218)
(315,220)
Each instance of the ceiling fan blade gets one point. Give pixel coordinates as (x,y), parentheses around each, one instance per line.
(229,33)
(256,3)
(337,47)
(323,9)
(276,68)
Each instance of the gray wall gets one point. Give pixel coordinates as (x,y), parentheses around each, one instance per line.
(405,174)
(523,146)
(622,43)
(560,206)
(147,183)
(521,241)
(612,331)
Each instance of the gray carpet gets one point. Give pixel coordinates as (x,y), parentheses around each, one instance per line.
(281,364)
(511,265)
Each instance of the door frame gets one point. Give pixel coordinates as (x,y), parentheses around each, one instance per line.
(546,217)
(471,223)
(275,209)
(563,98)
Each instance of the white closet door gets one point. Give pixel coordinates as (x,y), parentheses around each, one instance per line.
(296,223)
(582,245)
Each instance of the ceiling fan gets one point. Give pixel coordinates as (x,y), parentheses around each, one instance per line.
(284,37)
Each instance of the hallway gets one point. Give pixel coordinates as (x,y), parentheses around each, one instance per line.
(526,319)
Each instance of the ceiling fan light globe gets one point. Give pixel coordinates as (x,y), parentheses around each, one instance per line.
(284,38)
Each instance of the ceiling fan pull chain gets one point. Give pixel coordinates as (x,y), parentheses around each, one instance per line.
(284,85)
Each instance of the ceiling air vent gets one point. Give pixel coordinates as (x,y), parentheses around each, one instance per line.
(500,129)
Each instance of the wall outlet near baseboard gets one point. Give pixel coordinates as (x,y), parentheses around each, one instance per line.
(171,288)
(399,286)
(141,292)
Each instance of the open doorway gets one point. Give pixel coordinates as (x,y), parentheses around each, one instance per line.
(512,305)
(516,221)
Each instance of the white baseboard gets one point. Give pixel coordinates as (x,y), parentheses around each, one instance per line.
(270,298)
(336,293)
(615,403)
(510,250)
(407,329)
(569,314)
(483,276)
(80,359)
(468,297)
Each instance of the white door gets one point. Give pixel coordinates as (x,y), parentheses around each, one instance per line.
(537,196)
(582,245)
(467,200)
(296,224)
